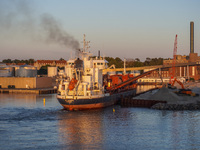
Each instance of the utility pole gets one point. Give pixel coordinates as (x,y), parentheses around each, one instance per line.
(124,66)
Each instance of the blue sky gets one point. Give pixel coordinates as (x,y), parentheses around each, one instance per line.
(118,28)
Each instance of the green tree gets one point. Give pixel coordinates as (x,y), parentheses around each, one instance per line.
(137,59)
(17,61)
(31,61)
(7,61)
(119,63)
(147,61)
(138,64)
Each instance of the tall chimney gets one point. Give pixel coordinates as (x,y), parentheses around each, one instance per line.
(191,37)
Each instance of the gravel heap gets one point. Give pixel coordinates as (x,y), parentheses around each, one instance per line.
(174,102)
(165,94)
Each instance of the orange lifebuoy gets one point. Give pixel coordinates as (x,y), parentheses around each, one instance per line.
(72,84)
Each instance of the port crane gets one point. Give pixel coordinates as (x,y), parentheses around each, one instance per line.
(173,78)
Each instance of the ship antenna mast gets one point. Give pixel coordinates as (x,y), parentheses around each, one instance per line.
(85,44)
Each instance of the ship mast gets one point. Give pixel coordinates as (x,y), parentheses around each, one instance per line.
(85,44)
(84,52)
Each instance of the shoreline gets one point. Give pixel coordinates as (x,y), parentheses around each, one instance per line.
(29,91)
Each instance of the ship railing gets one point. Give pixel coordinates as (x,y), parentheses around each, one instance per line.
(80,93)
(71,93)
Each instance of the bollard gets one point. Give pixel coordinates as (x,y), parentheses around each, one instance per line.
(44,102)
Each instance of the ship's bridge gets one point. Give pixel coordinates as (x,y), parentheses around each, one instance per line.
(100,63)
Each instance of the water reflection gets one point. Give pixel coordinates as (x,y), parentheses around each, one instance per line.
(142,88)
(181,128)
(50,127)
(22,100)
(81,129)
(28,100)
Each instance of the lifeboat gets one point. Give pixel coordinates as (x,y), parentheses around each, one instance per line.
(72,84)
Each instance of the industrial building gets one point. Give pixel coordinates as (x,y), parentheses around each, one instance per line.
(192,58)
(186,71)
(52,71)
(25,82)
(5,71)
(22,77)
(26,71)
(188,66)
(54,63)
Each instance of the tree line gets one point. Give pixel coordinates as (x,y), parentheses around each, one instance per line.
(119,63)
(17,61)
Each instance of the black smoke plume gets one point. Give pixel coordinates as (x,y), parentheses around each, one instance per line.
(18,15)
(55,33)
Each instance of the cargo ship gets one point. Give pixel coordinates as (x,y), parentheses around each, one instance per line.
(85,86)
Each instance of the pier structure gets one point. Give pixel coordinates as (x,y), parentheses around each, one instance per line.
(29,91)
(186,67)
(183,70)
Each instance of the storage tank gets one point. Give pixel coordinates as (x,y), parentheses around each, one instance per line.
(12,70)
(52,71)
(26,71)
(5,70)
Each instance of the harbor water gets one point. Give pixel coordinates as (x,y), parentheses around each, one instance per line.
(39,122)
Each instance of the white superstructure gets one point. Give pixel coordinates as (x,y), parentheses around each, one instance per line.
(84,76)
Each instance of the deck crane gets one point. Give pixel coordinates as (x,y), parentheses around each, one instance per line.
(174,60)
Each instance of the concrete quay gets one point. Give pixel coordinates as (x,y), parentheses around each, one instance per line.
(138,102)
(30,91)
(165,99)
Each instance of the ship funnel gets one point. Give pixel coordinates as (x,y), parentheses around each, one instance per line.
(78,63)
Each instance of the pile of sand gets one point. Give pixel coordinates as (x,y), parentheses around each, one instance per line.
(165,94)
